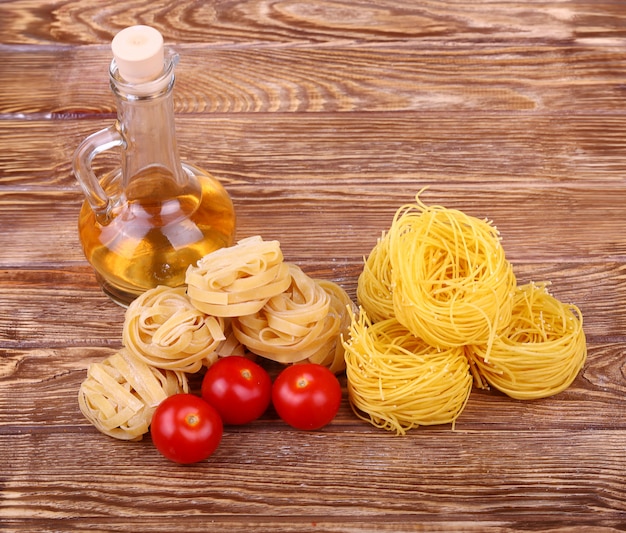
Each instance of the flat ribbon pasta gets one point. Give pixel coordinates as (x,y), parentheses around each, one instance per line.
(120,394)
(165,330)
(540,352)
(303,323)
(238,280)
(230,345)
(397,381)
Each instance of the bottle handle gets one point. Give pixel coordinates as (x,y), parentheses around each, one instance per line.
(94,144)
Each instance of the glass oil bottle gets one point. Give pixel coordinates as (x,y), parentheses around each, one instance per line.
(143,224)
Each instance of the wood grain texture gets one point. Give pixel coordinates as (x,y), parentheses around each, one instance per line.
(295,21)
(469,149)
(489,77)
(321,119)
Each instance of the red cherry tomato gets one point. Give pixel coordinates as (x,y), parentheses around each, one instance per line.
(239,389)
(306,396)
(186,429)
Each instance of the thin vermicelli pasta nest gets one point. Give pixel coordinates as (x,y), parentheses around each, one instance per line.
(238,280)
(439,278)
(120,394)
(374,286)
(165,330)
(451,282)
(541,350)
(303,323)
(396,381)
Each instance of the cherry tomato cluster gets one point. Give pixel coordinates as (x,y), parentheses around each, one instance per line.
(235,390)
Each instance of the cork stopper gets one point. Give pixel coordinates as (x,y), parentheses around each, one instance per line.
(139,53)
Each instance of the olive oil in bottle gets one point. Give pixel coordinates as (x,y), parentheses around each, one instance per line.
(142,225)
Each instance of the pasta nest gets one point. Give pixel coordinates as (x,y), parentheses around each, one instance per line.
(238,280)
(375,285)
(121,393)
(397,381)
(165,330)
(451,282)
(439,280)
(541,350)
(302,323)
(242,300)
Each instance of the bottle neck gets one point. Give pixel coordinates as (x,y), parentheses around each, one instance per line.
(145,118)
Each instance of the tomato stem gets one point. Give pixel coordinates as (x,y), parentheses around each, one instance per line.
(192,419)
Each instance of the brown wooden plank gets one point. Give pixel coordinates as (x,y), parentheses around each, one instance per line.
(349,524)
(527,78)
(354,150)
(83,316)
(564,225)
(272,21)
(521,478)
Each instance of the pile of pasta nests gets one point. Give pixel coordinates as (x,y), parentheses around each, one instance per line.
(440,312)
(241,300)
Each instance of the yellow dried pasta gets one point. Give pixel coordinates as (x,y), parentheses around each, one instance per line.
(302,323)
(238,280)
(541,350)
(397,381)
(452,284)
(338,322)
(165,330)
(443,276)
(375,286)
(230,345)
(120,394)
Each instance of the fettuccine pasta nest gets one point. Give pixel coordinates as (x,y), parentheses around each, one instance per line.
(238,280)
(303,323)
(165,330)
(242,300)
(120,394)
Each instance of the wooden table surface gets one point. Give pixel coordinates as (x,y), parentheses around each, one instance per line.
(321,118)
